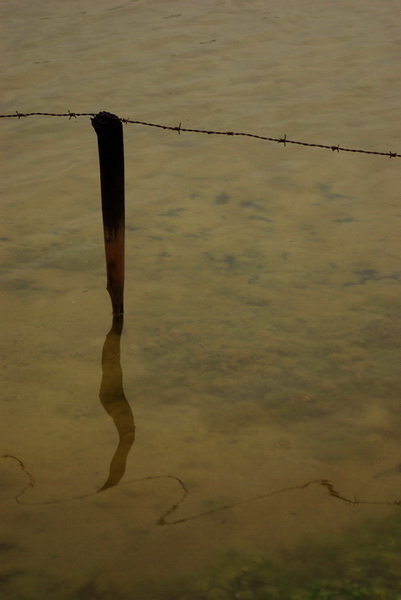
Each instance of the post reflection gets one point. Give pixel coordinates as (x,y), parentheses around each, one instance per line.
(116,405)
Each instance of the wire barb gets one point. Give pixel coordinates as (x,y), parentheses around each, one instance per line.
(282,140)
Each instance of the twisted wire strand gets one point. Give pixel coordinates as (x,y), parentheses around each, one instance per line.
(283,140)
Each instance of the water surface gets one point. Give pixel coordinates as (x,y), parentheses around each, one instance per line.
(261,343)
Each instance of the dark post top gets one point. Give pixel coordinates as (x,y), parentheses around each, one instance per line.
(109,132)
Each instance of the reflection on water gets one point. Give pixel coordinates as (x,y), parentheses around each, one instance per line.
(115,403)
(261,343)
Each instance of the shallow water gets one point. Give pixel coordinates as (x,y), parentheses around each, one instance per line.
(261,343)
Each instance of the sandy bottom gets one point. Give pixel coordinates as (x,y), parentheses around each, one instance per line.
(261,343)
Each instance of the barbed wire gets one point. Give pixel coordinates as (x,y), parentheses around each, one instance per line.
(283,140)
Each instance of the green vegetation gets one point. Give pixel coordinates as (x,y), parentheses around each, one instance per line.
(365,564)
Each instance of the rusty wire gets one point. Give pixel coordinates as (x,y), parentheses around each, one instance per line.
(283,140)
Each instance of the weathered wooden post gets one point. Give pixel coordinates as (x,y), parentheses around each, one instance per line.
(109,132)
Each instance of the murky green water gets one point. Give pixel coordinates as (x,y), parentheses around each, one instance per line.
(261,343)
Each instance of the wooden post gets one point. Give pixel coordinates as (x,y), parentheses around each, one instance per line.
(109,132)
